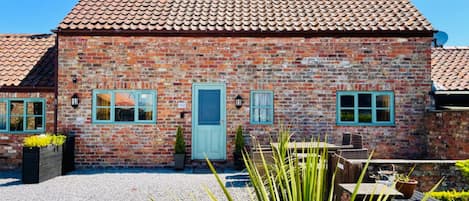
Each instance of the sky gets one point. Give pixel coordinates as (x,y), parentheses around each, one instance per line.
(41,16)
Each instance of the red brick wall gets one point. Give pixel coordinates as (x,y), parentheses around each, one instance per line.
(448,134)
(304,74)
(11,147)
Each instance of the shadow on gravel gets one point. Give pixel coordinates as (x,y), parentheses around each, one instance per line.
(128,171)
(239,180)
(10,178)
(148,170)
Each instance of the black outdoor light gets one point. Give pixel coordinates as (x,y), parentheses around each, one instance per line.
(75,101)
(238,101)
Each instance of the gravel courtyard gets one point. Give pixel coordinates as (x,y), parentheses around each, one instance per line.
(123,184)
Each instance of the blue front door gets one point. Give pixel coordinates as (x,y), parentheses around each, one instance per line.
(208,121)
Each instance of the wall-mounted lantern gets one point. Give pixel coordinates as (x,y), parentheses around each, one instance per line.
(75,101)
(238,101)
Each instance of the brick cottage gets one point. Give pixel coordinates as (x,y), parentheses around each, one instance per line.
(323,67)
(27,91)
(140,68)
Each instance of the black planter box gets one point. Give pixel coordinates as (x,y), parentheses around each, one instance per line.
(68,158)
(40,164)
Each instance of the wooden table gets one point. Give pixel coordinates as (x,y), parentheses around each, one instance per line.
(369,189)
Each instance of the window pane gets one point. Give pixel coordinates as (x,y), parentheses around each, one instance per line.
(103,114)
(34,108)
(347,115)
(145,100)
(262,115)
(383,115)
(103,99)
(209,107)
(16,123)
(3,113)
(364,100)
(124,114)
(17,108)
(347,101)
(124,99)
(34,123)
(364,116)
(3,108)
(265,115)
(3,122)
(145,113)
(262,99)
(382,101)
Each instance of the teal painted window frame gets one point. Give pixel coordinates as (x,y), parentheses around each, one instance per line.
(269,107)
(135,93)
(373,108)
(25,114)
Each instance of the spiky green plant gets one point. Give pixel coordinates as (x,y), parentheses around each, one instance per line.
(239,140)
(288,178)
(180,146)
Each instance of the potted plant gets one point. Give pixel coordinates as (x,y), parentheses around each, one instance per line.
(42,157)
(238,152)
(405,185)
(179,150)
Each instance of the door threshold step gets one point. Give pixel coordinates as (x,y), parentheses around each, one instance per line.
(202,170)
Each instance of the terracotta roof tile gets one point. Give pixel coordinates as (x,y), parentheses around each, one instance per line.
(245,15)
(27,60)
(450,68)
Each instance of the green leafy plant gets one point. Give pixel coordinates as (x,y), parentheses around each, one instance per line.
(405,177)
(463,166)
(44,140)
(180,146)
(451,195)
(239,140)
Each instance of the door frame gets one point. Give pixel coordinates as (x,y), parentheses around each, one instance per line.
(209,85)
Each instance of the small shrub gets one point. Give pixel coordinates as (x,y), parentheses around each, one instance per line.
(451,195)
(239,140)
(44,140)
(180,146)
(464,167)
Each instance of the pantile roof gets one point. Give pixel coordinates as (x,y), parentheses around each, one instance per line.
(195,16)
(27,60)
(450,68)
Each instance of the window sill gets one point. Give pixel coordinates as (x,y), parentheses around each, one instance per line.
(123,123)
(23,132)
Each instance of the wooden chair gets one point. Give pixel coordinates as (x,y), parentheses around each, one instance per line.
(357,141)
(256,151)
(357,151)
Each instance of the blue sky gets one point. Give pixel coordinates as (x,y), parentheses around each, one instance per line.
(40,16)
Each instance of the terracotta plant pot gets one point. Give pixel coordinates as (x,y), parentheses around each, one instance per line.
(407,188)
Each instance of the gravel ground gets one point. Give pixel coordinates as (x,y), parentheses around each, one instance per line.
(123,184)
